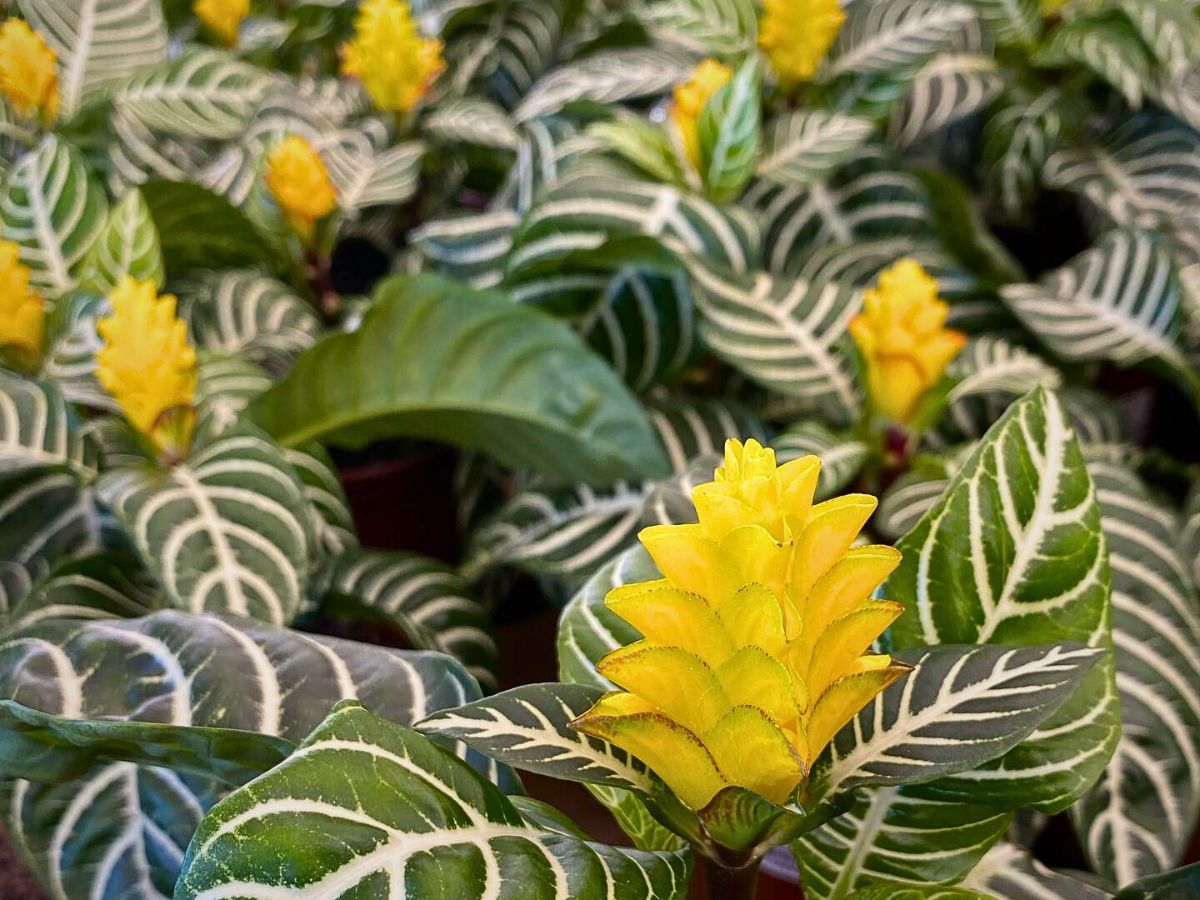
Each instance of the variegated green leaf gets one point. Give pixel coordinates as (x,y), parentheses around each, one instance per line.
(386,177)
(109,585)
(55,210)
(128,245)
(528,728)
(409,818)
(898,890)
(729,133)
(842,454)
(1107,43)
(899,36)
(45,516)
(946,90)
(226,531)
(473,121)
(808,145)
(706,27)
(1140,817)
(432,605)
(471,248)
(1013,554)
(98,42)
(225,387)
(1011,873)
(1017,141)
(1189,537)
(328,509)
(1011,21)
(38,428)
(690,428)
(121,829)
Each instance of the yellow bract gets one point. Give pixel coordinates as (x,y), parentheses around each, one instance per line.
(22,311)
(28,77)
(388,54)
(147,365)
(903,338)
(1051,7)
(752,655)
(796,35)
(690,99)
(223,17)
(299,182)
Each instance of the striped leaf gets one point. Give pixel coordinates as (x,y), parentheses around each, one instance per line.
(1013,553)
(370,806)
(1189,536)
(206,94)
(121,829)
(431,605)
(128,245)
(506,51)
(108,585)
(39,428)
(785,334)
(1011,21)
(909,497)
(897,890)
(808,145)
(98,42)
(473,121)
(1169,29)
(899,36)
(329,513)
(1108,44)
(1181,882)
(704,27)
(669,501)
(506,398)
(1119,301)
(889,835)
(1011,873)
(45,517)
(225,387)
(53,208)
(858,264)
(960,707)
(948,89)
(1139,818)
(224,532)
(388,177)
(528,728)
(549,148)
(248,314)
(690,427)
(842,454)
(1017,141)
(470,248)
(605,77)
(729,133)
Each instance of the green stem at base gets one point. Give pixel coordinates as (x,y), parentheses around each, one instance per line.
(723,883)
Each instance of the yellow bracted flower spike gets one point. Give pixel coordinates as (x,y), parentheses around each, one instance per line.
(222,17)
(796,35)
(28,75)
(147,365)
(299,182)
(22,310)
(388,54)
(690,99)
(754,643)
(903,338)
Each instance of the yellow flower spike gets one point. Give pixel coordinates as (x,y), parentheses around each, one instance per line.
(299,182)
(796,35)
(222,17)
(754,650)
(903,339)
(28,73)
(690,99)
(147,365)
(22,310)
(390,57)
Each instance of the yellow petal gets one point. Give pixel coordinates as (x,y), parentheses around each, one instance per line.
(753,753)
(720,512)
(690,561)
(753,618)
(838,649)
(752,677)
(844,698)
(757,558)
(830,531)
(672,679)
(668,616)
(798,483)
(850,581)
(671,751)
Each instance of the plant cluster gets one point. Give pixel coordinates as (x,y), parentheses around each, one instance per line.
(834,250)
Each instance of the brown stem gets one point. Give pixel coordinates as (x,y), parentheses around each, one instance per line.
(724,883)
(318,273)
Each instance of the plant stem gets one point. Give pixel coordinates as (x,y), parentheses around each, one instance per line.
(724,883)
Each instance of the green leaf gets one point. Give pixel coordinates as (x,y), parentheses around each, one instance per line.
(224,531)
(529,728)
(1119,301)
(371,806)
(842,454)
(704,27)
(808,145)
(54,209)
(45,516)
(366,179)
(470,248)
(1168,29)
(98,42)
(473,121)
(121,829)
(1107,43)
(104,585)
(329,512)
(39,428)
(432,605)
(128,245)
(607,76)
(1189,538)
(1011,21)
(1017,141)
(1139,818)
(472,369)
(1011,873)
(693,427)
(900,36)
(1013,554)
(895,890)
(642,143)
(960,707)
(51,749)
(202,230)
(729,133)
(1179,884)
(948,89)
(225,387)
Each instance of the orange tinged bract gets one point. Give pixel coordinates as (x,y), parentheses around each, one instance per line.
(755,642)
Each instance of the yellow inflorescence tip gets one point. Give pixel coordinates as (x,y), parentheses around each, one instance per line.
(796,35)
(756,642)
(22,310)
(28,71)
(299,182)
(388,54)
